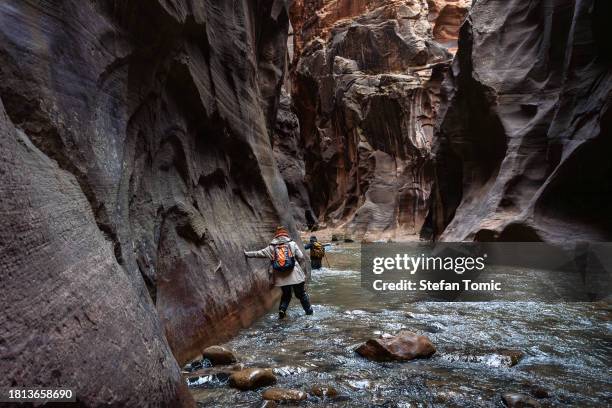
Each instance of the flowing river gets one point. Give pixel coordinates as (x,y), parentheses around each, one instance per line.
(566,347)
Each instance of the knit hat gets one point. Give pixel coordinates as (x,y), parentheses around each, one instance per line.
(281,232)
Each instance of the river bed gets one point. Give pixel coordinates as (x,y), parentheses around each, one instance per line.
(566,349)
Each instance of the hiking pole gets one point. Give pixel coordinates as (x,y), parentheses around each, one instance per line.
(327,260)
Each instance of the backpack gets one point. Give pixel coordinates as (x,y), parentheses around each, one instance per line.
(283,260)
(317,250)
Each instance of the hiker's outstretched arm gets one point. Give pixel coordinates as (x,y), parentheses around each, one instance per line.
(262,253)
(299,254)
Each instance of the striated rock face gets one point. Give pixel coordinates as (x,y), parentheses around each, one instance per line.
(367,100)
(524,144)
(70,314)
(135,165)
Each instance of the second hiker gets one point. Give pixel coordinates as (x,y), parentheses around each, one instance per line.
(317,252)
(285,256)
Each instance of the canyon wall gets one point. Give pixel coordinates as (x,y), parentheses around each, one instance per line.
(365,82)
(523,148)
(135,166)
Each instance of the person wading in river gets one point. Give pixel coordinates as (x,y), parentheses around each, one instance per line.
(317,252)
(285,256)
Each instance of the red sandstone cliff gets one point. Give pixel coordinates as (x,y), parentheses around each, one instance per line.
(365,89)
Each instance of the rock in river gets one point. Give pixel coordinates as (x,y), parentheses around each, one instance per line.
(219,355)
(512,400)
(284,395)
(324,391)
(402,347)
(251,378)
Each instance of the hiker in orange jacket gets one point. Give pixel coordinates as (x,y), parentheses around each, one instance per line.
(285,256)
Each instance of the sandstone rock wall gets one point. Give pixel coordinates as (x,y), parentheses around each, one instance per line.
(366,77)
(136,164)
(524,145)
(289,153)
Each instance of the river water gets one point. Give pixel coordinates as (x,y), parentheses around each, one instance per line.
(567,349)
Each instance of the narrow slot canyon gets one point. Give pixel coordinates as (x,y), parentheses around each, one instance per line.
(147,147)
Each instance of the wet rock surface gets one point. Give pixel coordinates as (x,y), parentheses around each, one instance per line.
(512,400)
(219,355)
(252,378)
(402,347)
(134,141)
(284,395)
(324,391)
(522,144)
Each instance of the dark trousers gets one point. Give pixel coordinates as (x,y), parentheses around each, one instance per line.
(315,263)
(300,293)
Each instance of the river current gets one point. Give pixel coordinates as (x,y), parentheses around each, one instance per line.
(566,349)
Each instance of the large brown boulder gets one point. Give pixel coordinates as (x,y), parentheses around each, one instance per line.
(402,347)
(284,395)
(219,355)
(251,378)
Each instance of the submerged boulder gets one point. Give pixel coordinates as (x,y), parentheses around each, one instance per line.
(284,395)
(219,355)
(402,347)
(324,391)
(513,400)
(251,378)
